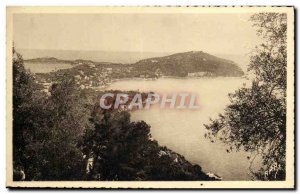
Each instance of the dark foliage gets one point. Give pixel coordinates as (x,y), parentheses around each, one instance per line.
(46,128)
(256,118)
(124,150)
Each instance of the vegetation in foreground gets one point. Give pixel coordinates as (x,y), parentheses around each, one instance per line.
(64,136)
(256,118)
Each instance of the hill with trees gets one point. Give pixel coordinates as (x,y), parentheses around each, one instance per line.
(181,64)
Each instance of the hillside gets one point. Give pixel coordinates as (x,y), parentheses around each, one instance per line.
(90,74)
(192,64)
(189,63)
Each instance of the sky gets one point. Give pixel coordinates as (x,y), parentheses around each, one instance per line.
(168,33)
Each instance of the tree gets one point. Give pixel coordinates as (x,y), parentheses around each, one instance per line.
(255,120)
(27,102)
(124,150)
(53,144)
(47,129)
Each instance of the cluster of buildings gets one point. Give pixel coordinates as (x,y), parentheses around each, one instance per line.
(87,75)
(90,75)
(201,74)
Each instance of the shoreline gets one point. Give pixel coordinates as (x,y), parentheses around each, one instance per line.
(101,88)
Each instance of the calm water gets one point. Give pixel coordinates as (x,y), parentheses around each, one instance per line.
(183,130)
(46,68)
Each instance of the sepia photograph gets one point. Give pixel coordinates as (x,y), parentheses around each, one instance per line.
(150,97)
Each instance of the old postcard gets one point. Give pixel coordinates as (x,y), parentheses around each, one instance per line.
(150,97)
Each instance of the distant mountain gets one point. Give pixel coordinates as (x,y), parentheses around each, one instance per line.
(94,55)
(47,60)
(53,60)
(187,63)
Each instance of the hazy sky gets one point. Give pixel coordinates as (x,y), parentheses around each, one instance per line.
(222,33)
